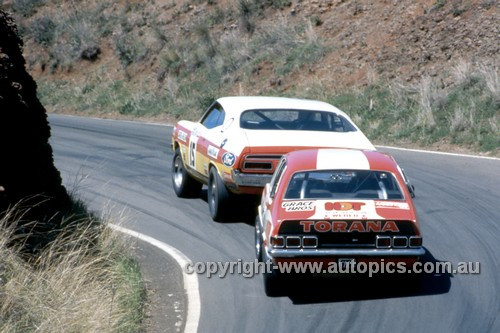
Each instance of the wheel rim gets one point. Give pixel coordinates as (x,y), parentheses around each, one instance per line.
(178,176)
(258,241)
(212,194)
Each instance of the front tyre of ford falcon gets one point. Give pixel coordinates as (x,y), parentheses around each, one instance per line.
(184,185)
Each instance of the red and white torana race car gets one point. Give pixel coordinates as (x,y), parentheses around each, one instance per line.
(238,142)
(336,205)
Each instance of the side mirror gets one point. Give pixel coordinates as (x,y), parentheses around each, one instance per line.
(407,181)
(267,189)
(268,198)
(411,189)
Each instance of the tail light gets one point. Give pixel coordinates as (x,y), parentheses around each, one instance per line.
(399,242)
(258,165)
(261,162)
(309,242)
(293,242)
(415,241)
(278,242)
(383,242)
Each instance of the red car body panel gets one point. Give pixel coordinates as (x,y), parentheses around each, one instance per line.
(354,220)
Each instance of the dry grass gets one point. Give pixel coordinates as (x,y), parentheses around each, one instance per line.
(82,282)
(461,107)
(463,119)
(491,77)
(461,71)
(427,90)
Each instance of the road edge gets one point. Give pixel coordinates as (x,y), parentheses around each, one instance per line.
(381,146)
(439,152)
(190,281)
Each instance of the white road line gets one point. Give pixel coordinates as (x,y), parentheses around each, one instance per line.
(190,280)
(439,153)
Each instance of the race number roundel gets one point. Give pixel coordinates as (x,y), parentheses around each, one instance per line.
(228,159)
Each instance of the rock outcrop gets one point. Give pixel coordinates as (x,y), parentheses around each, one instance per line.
(27,171)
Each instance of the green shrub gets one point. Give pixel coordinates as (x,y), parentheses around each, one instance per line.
(43,31)
(288,47)
(439,4)
(129,49)
(276,4)
(26,7)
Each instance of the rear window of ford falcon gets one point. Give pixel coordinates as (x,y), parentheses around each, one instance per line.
(295,120)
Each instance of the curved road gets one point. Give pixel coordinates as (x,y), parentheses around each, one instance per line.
(458,200)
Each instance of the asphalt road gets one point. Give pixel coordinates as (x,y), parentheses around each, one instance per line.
(119,164)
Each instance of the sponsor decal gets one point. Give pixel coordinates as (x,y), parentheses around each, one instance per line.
(345,210)
(343,226)
(350,215)
(354,210)
(182,135)
(344,205)
(212,151)
(193,141)
(228,159)
(298,206)
(392,204)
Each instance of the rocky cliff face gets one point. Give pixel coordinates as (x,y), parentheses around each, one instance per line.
(27,171)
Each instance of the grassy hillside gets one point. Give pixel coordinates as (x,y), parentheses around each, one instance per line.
(411,71)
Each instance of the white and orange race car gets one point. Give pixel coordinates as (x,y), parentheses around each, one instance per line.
(238,142)
(336,205)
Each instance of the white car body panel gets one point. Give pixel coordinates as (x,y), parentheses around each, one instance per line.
(285,138)
(202,147)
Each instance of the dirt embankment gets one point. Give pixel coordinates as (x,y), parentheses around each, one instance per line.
(402,40)
(365,40)
(417,71)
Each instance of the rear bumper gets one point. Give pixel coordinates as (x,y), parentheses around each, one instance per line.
(251,179)
(322,253)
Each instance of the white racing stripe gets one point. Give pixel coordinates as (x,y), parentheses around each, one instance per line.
(190,280)
(342,159)
(439,152)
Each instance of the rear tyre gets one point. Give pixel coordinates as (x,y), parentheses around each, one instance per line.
(258,238)
(184,185)
(273,284)
(218,197)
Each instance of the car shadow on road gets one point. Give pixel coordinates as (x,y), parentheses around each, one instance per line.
(345,289)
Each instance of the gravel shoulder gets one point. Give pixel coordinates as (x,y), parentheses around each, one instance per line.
(166,302)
